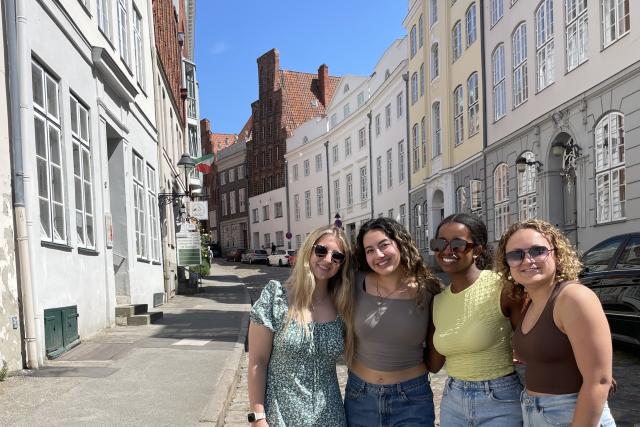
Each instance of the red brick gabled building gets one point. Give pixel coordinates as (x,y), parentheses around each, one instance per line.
(286,99)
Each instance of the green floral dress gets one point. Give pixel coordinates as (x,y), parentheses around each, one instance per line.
(302,384)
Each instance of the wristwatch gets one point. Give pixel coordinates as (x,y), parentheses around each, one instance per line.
(252,417)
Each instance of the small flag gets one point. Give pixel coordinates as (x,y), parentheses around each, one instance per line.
(203,164)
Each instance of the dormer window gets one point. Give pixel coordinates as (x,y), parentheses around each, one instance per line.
(346,88)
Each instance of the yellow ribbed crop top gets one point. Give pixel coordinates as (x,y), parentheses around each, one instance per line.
(472,332)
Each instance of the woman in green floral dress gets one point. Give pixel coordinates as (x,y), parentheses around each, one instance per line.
(296,337)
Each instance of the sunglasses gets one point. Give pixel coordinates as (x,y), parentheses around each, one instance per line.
(536,253)
(321,251)
(456,245)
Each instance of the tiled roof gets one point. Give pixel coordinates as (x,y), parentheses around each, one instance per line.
(301,97)
(245,133)
(222,140)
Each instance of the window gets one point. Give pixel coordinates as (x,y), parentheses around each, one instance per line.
(307,167)
(527,204)
(544,44)
(421,80)
(241,172)
(433,12)
(82,175)
(154,217)
(296,206)
(254,215)
(414,88)
(223,178)
(599,257)
(417,224)
(361,138)
(379,174)
(458,111)
(347,147)
(423,133)
(298,241)
(334,151)
(377,124)
(242,199)
(415,140)
(461,199)
(232,202)
(49,166)
(346,110)
(364,184)
(387,116)
(577,32)
(610,168)
(318,162)
(474,105)
(399,104)
(265,213)
(138,47)
(277,208)
(360,99)
(420,31)
(435,67)
(615,20)
(501,199)
(499,88)
(307,204)
(403,215)
(435,129)
(104,17)
(320,200)
(471,24)
(412,41)
(336,193)
(497,10)
(267,240)
(279,238)
(401,161)
(334,119)
(123,31)
(475,186)
(456,40)
(232,175)
(519,49)
(390,214)
(630,255)
(389,168)
(295,172)
(349,189)
(139,206)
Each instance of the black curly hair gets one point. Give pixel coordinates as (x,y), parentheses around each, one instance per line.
(479,235)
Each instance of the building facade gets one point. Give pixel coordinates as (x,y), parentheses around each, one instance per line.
(233,216)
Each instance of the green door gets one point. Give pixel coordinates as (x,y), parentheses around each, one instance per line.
(60,330)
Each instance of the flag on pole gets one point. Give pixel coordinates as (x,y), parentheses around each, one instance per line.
(203,164)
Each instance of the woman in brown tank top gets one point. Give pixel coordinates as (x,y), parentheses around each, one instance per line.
(564,337)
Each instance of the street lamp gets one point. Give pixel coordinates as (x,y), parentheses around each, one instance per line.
(522,163)
(338,222)
(187,164)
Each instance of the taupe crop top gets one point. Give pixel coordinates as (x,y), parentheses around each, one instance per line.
(390,332)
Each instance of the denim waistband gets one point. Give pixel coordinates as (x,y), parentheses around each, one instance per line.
(546,401)
(358,383)
(488,385)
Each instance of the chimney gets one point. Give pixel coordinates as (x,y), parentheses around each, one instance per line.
(323,81)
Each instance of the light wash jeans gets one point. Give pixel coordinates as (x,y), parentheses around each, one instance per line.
(408,404)
(543,411)
(481,403)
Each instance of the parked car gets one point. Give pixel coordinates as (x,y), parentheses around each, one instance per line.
(255,256)
(612,271)
(280,257)
(235,255)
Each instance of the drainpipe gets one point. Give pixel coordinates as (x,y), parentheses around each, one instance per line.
(485,120)
(369,114)
(405,77)
(18,70)
(286,190)
(326,151)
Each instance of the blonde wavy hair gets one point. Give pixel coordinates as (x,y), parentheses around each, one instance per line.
(301,283)
(568,265)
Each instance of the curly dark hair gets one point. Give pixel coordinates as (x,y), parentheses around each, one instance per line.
(411,261)
(568,265)
(479,235)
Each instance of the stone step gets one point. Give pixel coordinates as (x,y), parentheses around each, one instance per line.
(139,319)
(131,309)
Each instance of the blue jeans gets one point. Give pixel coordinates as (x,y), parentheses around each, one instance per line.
(407,404)
(542,411)
(481,403)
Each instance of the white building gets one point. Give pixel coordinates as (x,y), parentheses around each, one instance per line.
(89,139)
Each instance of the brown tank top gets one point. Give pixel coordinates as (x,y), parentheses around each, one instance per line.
(547,352)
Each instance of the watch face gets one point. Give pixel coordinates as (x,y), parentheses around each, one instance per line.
(251,417)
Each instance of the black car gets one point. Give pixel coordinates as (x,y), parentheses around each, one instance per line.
(612,271)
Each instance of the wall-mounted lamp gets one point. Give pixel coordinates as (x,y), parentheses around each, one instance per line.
(569,151)
(187,164)
(522,163)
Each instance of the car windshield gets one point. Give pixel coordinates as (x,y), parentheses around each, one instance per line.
(261,252)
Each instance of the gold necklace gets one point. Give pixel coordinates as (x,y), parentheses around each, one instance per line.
(380,297)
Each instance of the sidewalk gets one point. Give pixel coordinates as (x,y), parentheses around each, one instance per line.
(178,371)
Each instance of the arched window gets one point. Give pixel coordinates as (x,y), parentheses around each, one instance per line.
(458,112)
(414,88)
(610,168)
(417,218)
(435,129)
(473,104)
(425,224)
(412,41)
(415,141)
(435,66)
(501,199)
(527,202)
(461,199)
(519,57)
(456,40)
(544,44)
(499,88)
(471,24)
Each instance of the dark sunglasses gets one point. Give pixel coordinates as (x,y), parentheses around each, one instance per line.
(456,245)
(536,253)
(321,251)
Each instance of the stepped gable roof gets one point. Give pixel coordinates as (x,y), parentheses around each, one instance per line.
(301,97)
(245,133)
(222,140)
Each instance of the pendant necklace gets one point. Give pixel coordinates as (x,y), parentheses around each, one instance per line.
(380,297)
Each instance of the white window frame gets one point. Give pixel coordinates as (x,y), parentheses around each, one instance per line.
(399,104)
(433,12)
(349,180)
(614,26)
(266,214)
(123,31)
(277,210)
(242,195)
(82,174)
(389,168)
(471,16)
(577,32)
(475,187)
(461,199)
(138,47)
(154,216)
(501,199)
(435,130)
(318,162)
(347,147)
(497,11)
(279,239)
(306,166)
(420,31)
(413,46)
(401,171)
(435,61)
(232,202)
(527,194)
(414,88)
(387,116)
(379,174)
(336,193)
(403,215)
(361,138)
(456,40)
(499,84)
(423,141)
(415,141)
(364,184)
(458,115)
(307,204)
(139,205)
(296,206)
(335,154)
(295,172)
(377,124)
(346,110)
(610,168)
(519,59)
(544,45)
(473,104)
(421,80)
(320,200)
(103,16)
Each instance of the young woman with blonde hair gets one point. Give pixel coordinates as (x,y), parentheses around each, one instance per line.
(296,337)
(563,337)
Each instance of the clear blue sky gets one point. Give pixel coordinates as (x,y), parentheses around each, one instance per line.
(348,35)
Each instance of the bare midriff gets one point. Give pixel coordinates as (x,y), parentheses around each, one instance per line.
(373,376)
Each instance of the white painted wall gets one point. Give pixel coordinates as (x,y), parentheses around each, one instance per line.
(273,224)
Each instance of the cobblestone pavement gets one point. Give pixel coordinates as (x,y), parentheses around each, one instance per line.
(625,404)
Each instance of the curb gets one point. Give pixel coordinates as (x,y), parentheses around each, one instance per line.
(216,411)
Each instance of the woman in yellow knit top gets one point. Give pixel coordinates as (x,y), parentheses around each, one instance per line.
(473,319)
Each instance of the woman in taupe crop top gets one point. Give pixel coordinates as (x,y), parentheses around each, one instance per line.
(388,382)
(564,336)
